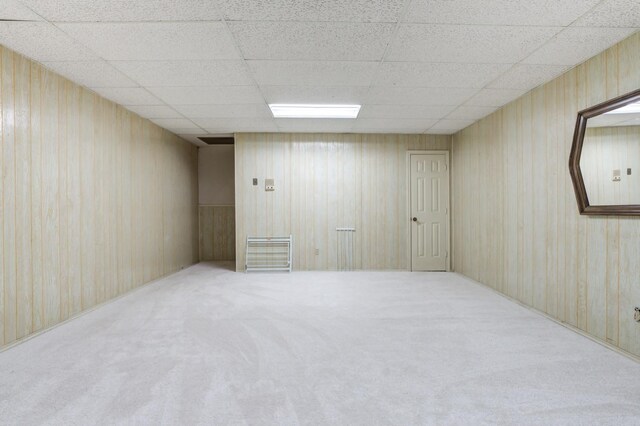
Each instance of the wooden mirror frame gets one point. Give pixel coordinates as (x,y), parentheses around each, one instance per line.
(574,159)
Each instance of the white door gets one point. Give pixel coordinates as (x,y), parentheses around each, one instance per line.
(429,212)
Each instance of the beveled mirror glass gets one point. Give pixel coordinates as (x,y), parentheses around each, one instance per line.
(605,157)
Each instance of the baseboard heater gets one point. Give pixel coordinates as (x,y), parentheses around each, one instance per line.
(268,254)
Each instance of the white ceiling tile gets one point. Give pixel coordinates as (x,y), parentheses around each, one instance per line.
(380,125)
(499,12)
(185,73)
(233,125)
(208,95)
(313,10)
(315,125)
(613,13)
(526,76)
(419,95)
(14,10)
(91,74)
(313,73)
(467,43)
(471,112)
(314,94)
(194,131)
(42,42)
(128,96)
(451,125)
(225,111)
(175,123)
(312,40)
(440,131)
(155,40)
(495,97)
(405,111)
(415,74)
(577,44)
(154,111)
(124,10)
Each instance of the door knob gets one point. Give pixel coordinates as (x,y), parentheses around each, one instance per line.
(415,219)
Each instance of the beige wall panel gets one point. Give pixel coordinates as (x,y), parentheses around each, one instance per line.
(2,208)
(9,196)
(36,258)
(580,270)
(87,192)
(325,181)
(215,175)
(217,233)
(22,77)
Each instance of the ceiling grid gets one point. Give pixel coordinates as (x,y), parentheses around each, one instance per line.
(199,67)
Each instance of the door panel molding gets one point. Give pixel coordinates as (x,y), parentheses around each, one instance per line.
(447,206)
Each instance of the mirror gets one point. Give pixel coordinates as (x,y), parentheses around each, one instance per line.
(605,157)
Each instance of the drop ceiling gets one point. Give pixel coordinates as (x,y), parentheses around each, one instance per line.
(203,67)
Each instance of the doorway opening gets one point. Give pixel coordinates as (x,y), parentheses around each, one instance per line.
(216,200)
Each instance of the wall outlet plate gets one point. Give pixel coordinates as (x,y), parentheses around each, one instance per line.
(269,185)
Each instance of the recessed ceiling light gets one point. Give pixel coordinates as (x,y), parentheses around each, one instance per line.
(627,109)
(314,111)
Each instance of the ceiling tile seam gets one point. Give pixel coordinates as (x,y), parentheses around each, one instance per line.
(245,64)
(487,86)
(306,60)
(560,33)
(312,21)
(32,11)
(134,22)
(101,59)
(567,69)
(94,89)
(308,21)
(125,74)
(586,13)
(396,30)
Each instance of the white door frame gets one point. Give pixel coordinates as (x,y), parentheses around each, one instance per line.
(408,218)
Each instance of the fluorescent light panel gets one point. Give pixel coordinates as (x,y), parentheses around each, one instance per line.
(314,111)
(627,109)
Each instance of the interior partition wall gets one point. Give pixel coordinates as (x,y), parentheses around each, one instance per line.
(94,200)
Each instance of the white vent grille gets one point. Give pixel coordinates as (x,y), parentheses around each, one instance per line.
(346,247)
(268,254)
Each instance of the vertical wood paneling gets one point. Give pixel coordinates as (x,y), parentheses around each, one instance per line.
(36,258)
(22,77)
(80,183)
(2,208)
(578,269)
(9,196)
(217,233)
(324,181)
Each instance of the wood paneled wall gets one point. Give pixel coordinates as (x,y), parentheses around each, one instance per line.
(606,149)
(95,200)
(217,233)
(325,181)
(516,223)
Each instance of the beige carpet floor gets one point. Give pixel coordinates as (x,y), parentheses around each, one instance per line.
(215,347)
